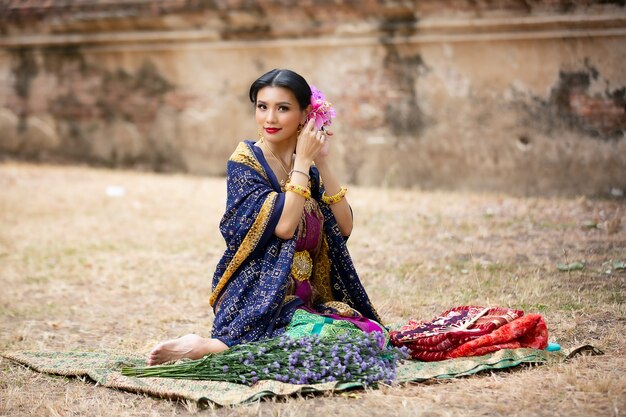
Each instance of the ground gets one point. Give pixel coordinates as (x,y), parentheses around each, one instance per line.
(84,270)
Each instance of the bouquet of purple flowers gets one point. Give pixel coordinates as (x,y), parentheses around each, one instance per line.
(307,360)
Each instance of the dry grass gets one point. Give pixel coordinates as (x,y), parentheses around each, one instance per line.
(80,270)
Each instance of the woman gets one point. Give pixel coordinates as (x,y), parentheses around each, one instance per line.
(286,266)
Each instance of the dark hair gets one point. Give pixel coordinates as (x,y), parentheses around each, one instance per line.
(283,78)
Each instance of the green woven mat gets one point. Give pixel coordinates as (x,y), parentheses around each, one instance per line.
(103,368)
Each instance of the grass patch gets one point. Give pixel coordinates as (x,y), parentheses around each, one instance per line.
(82,271)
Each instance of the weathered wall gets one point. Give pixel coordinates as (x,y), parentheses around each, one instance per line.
(521,96)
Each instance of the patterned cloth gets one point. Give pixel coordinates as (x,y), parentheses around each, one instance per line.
(306,323)
(470,331)
(252,279)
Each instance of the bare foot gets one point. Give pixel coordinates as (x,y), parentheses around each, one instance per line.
(190,346)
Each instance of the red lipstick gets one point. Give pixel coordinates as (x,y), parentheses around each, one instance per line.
(271,130)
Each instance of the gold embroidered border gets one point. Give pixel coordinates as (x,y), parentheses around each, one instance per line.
(289,298)
(343,309)
(244,155)
(321,273)
(248,244)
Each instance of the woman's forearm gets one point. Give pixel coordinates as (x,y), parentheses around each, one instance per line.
(341,210)
(294,203)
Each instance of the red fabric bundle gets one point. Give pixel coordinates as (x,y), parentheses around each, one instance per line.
(471,331)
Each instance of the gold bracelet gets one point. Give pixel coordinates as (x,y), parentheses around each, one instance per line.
(308,177)
(298,189)
(334,199)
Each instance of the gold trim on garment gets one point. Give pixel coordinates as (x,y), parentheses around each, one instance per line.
(342,309)
(289,298)
(302,265)
(244,155)
(321,273)
(248,244)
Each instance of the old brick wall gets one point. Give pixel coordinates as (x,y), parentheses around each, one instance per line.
(527,97)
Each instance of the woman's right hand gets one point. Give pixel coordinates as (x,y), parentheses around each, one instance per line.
(310,142)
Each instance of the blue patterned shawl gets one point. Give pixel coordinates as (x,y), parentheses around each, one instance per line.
(250,282)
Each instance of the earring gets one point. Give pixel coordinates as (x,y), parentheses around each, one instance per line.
(260,135)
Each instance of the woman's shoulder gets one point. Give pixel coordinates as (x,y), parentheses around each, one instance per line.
(248,154)
(244,148)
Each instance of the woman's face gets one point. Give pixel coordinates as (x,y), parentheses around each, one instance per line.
(278,113)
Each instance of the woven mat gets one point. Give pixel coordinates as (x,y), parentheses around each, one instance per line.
(103,368)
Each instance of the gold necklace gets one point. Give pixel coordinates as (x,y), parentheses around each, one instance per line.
(282,183)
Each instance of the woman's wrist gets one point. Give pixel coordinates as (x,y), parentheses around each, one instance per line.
(302,164)
(297,171)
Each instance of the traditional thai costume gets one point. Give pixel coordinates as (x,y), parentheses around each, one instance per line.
(264,285)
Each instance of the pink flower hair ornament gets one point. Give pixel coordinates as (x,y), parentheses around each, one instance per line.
(321,110)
